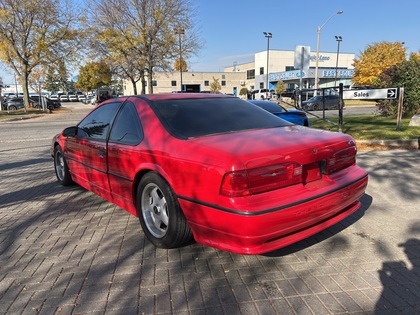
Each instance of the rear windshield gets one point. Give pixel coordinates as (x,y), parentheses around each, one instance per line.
(191,118)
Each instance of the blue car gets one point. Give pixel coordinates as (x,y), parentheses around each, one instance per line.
(294,116)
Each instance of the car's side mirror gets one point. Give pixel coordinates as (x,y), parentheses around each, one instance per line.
(70,131)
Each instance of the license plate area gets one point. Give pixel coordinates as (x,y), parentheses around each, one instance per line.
(311,172)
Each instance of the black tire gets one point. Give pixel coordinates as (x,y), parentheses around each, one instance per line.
(12,107)
(38,107)
(61,168)
(315,107)
(160,214)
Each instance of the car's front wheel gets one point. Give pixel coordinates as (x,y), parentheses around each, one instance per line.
(160,214)
(12,107)
(61,168)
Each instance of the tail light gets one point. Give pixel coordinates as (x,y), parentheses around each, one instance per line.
(340,160)
(258,180)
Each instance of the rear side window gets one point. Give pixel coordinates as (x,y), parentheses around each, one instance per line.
(127,128)
(191,118)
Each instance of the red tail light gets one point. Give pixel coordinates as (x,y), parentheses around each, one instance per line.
(341,160)
(258,180)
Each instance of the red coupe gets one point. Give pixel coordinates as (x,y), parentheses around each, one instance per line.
(214,168)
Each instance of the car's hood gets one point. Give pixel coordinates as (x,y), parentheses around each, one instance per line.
(270,146)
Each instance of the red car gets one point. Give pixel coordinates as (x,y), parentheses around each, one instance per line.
(214,168)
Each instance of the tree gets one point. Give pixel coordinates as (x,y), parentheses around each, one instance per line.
(35,33)
(244,92)
(56,77)
(280,88)
(215,86)
(37,79)
(375,59)
(179,64)
(406,74)
(140,36)
(94,75)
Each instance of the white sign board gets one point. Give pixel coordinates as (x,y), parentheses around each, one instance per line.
(302,57)
(371,94)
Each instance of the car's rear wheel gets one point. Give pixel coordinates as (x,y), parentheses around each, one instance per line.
(61,168)
(12,107)
(160,214)
(38,107)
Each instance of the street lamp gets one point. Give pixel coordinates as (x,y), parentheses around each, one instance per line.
(180,31)
(317,46)
(268,36)
(338,39)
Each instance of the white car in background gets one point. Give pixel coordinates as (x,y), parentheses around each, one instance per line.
(72,97)
(261,94)
(64,98)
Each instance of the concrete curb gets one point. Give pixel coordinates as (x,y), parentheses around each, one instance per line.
(394,143)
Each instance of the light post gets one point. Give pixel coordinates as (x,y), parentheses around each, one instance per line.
(268,36)
(317,46)
(338,39)
(180,31)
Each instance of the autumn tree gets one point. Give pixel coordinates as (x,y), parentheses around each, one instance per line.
(405,74)
(280,88)
(139,35)
(94,75)
(215,86)
(180,65)
(375,59)
(111,41)
(35,33)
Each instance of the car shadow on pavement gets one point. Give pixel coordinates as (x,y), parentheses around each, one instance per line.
(366,202)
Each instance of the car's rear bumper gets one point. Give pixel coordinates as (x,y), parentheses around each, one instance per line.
(271,229)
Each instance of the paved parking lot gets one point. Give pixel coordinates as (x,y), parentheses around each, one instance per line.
(66,251)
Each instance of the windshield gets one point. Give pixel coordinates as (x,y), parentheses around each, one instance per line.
(190,118)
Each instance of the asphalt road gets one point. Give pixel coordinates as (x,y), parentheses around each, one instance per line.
(64,250)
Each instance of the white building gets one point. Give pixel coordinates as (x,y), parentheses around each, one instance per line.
(253,75)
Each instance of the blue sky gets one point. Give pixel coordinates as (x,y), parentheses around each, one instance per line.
(232,30)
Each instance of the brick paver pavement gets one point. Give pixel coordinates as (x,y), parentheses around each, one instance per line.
(66,251)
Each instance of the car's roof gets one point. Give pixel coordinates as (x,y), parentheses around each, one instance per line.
(177,96)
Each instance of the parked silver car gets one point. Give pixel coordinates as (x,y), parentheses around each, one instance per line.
(317,102)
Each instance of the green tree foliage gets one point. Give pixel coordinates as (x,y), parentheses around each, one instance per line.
(244,92)
(35,33)
(94,75)
(405,74)
(374,60)
(56,77)
(215,86)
